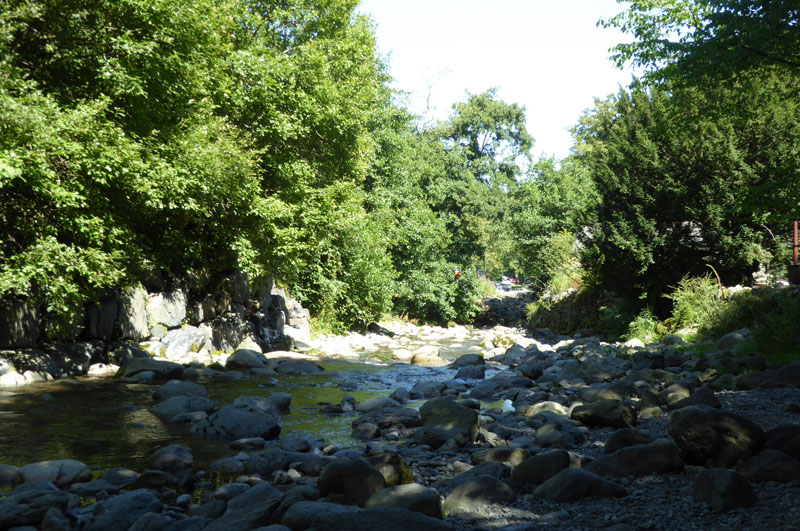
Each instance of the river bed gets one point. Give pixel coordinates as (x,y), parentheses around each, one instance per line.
(105,423)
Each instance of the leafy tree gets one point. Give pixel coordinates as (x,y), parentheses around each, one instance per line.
(677,185)
(486,149)
(143,136)
(492,136)
(550,208)
(695,40)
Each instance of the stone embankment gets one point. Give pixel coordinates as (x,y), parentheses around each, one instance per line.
(509,432)
(179,324)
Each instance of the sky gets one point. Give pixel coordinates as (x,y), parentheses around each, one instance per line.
(547,55)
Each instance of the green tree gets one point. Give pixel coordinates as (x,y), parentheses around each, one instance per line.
(677,184)
(550,209)
(707,40)
(189,138)
(486,150)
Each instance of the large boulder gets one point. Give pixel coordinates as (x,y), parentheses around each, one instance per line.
(771,465)
(161,368)
(29,502)
(228,331)
(249,510)
(355,479)
(167,309)
(539,468)
(177,406)
(61,472)
(246,359)
(179,388)
(657,457)
(241,422)
(606,391)
(132,320)
(412,497)
(322,516)
(297,367)
(394,470)
(605,413)
(19,323)
(468,360)
(508,454)
(183,341)
(626,437)
(709,436)
(123,510)
(101,319)
(573,484)
(478,491)
(444,419)
(174,458)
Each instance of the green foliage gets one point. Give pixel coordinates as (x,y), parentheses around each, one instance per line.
(644,326)
(771,314)
(681,188)
(435,294)
(140,136)
(691,41)
(549,210)
(695,301)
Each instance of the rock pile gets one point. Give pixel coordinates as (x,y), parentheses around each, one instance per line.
(565,433)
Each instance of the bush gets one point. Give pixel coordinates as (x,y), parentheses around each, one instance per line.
(435,294)
(772,314)
(645,327)
(695,301)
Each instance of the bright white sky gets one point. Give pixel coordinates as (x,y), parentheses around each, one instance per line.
(548,55)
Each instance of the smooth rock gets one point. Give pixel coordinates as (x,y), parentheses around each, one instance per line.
(723,490)
(61,472)
(478,491)
(771,465)
(356,479)
(412,497)
(249,510)
(240,423)
(29,502)
(123,510)
(180,405)
(443,419)
(246,359)
(708,435)
(626,437)
(658,457)
(539,468)
(174,458)
(610,413)
(573,484)
(179,388)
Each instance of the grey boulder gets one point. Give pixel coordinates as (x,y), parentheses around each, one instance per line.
(708,435)
(573,484)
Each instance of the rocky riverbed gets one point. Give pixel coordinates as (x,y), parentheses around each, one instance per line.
(460,428)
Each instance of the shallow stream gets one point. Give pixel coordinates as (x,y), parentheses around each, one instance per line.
(105,423)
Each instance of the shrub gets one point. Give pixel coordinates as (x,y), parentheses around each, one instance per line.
(645,326)
(695,301)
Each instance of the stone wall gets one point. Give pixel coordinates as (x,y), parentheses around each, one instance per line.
(176,324)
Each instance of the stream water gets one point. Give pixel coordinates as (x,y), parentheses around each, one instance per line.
(105,423)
